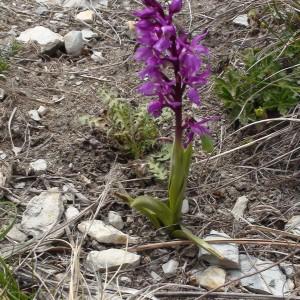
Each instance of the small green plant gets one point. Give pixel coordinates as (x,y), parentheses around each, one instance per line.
(132,127)
(266,86)
(12,49)
(9,288)
(4,65)
(159,162)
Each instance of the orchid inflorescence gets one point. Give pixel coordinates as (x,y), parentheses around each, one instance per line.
(165,49)
(164,46)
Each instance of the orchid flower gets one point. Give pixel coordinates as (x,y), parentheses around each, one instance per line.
(163,47)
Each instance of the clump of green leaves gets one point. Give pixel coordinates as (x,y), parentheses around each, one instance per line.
(131,127)
(5,53)
(9,287)
(159,162)
(266,86)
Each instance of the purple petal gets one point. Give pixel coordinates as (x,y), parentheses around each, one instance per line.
(155,108)
(145,13)
(168,30)
(149,88)
(194,96)
(175,7)
(151,72)
(143,53)
(162,44)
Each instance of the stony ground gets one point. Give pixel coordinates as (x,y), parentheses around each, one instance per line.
(57,170)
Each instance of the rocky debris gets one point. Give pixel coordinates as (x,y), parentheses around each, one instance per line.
(115,220)
(71,213)
(97,56)
(271,281)
(42,10)
(111,259)
(155,276)
(241,20)
(47,39)
(68,193)
(103,233)
(293,225)
(212,277)
(2,155)
(230,252)
(42,110)
(42,213)
(5,176)
(88,34)
(240,207)
(289,269)
(84,3)
(39,166)
(170,267)
(74,43)
(2,94)
(34,115)
(16,234)
(185,206)
(87,16)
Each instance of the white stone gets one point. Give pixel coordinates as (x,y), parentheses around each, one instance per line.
(155,276)
(84,3)
(293,225)
(241,20)
(185,206)
(97,56)
(39,166)
(230,252)
(115,220)
(2,155)
(42,110)
(88,34)
(170,267)
(71,213)
(42,213)
(16,234)
(43,36)
(271,281)
(240,207)
(111,259)
(212,278)
(74,43)
(34,115)
(87,16)
(2,94)
(103,233)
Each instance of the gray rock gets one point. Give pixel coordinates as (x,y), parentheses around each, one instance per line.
(115,220)
(42,10)
(212,277)
(293,225)
(289,269)
(271,281)
(155,276)
(88,34)
(103,233)
(185,206)
(2,94)
(71,213)
(46,38)
(84,3)
(42,213)
(74,43)
(97,56)
(39,166)
(42,110)
(170,267)
(34,115)
(241,20)
(2,155)
(16,234)
(87,16)
(240,207)
(111,259)
(230,252)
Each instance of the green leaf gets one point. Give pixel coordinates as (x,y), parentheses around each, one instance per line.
(207,143)
(187,234)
